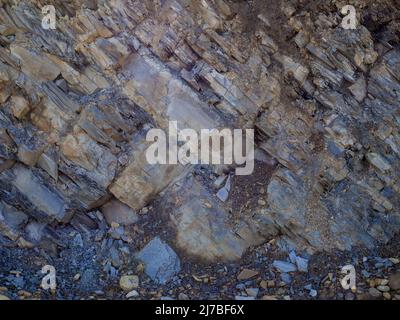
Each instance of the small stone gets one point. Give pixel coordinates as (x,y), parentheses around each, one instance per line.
(77,277)
(269,298)
(302,264)
(183,296)
(394,281)
(114,225)
(252,292)
(127,283)
(132,294)
(286,278)
(383,288)
(313,293)
(24,294)
(117,212)
(284,266)
(349,296)
(387,295)
(247,274)
(223,194)
(271,283)
(384,282)
(264,284)
(244,298)
(374,292)
(3,297)
(394,260)
(219,181)
(261,202)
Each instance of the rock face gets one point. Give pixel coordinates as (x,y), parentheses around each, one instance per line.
(77,102)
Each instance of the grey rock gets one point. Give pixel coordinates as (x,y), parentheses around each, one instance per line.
(223,194)
(394,281)
(284,266)
(286,278)
(161,262)
(116,211)
(302,264)
(252,292)
(244,298)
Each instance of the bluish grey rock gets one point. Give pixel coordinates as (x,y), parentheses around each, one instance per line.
(292,257)
(161,262)
(302,264)
(284,266)
(286,278)
(223,194)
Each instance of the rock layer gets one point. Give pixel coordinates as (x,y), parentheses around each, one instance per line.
(76,103)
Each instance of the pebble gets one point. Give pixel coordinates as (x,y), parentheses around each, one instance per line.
(183,296)
(3,297)
(132,294)
(383,288)
(313,293)
(253,292)
(284,266)
(247,274)
(223,194)
(286,278)
(374,292)
(271,283)
(394,281)
(264,284)
(261,202)
(302,264)
(268,298)
(219,181)
(349,296)
(241,286)
(387,295)
(24,294)
(127,283)
(244,298)
(384,282)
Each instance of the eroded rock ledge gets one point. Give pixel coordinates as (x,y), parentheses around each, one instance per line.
(76,103)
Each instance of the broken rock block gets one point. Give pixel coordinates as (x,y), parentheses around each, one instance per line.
(19,106)
(90,167)
(11,221)
(203,226)
(27,190)
(140,181)
(165,97)
(34,65)
(116,211)
(161,262)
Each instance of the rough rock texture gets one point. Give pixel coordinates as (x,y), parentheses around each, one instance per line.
(77,101)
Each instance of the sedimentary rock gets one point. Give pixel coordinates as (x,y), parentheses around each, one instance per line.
(76,104)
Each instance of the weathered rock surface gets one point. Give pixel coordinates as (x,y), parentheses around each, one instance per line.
(76,103)
(160,260)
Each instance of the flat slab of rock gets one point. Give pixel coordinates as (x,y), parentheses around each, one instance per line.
(161,262)
(116,211)
(284,266)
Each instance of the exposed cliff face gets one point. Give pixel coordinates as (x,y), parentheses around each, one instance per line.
(77,101)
